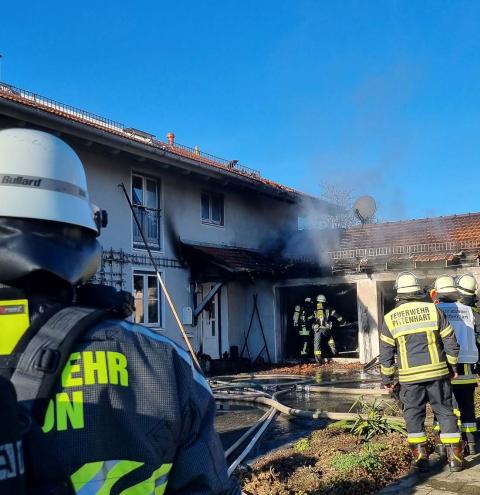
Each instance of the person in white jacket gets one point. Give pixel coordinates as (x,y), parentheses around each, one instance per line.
(465,320)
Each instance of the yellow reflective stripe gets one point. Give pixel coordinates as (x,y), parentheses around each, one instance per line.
(446,332)
(85,474)
(387,371)
(156,484)
(99,477)
(424,368)
(14,321)
(464,381)
(387,340)
(117,471)
(433,348)
(452,359)
(422,376)
(450,437)
(417,438)
(403,353)
(318,353)
(469,429)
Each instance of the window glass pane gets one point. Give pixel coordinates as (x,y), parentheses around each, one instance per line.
(213,328)
(153,311)
(217,209)
(138,291)
(153,300)
(152,287)
(137,190)
(205,206)
(151,224)
(152,201)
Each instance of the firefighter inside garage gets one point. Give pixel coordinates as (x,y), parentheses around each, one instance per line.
(320,322)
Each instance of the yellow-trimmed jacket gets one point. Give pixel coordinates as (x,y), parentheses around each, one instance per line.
(419,333)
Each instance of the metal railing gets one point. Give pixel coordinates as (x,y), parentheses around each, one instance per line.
(408,250)
(38,101)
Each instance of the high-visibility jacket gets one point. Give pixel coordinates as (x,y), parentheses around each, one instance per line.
(462,319)
(132,416)
(423,339)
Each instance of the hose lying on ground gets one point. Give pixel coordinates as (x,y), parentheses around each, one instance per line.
(340,390)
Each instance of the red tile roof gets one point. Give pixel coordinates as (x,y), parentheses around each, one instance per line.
(26,98)
(458,229)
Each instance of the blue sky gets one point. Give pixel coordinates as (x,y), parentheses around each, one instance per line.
(382,97)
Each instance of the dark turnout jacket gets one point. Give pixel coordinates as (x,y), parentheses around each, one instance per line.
(420,334)
(132,416)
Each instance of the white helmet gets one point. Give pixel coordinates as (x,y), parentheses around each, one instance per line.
(407,283)
(42,178)
(445,285)
(321,298)
(467,284)
(48,228)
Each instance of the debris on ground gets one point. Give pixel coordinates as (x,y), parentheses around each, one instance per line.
(311,369)
(330,462)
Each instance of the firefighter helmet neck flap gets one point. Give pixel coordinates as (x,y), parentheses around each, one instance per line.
(48,227)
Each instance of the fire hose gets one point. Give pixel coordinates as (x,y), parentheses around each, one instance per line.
(236,392)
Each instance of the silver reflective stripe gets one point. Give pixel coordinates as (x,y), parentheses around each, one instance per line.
(421,434)
(413,326)
(449,435)
(33,182)
(469,425)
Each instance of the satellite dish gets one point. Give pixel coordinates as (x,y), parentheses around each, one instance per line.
(365,208)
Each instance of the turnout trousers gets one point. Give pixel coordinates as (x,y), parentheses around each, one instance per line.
(464,402)
(464,395)
(305,344)
(321,347)
(438,393)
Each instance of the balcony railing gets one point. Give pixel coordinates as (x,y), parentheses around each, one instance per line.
(412,249)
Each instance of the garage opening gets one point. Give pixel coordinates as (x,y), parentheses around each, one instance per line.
(342,298)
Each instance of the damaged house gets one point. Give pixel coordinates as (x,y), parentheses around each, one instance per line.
(206,220)
(228,244)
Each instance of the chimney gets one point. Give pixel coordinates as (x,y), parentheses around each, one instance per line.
(171,138)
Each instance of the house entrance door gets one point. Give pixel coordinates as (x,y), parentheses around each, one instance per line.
(210,325)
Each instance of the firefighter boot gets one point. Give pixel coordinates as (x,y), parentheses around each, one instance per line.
(455,456)
(440,448)
(473,443)
(420,457)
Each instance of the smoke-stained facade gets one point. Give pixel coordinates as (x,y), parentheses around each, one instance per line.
(187,202)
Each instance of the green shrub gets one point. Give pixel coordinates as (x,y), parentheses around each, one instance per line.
(302,445)
(370,421)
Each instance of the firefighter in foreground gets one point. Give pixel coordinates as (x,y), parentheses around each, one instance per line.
(130,414)
(419,333)
(323,342)
(458,307)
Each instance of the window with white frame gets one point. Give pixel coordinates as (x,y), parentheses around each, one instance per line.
(212,208)
(148,303)
(146,203)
